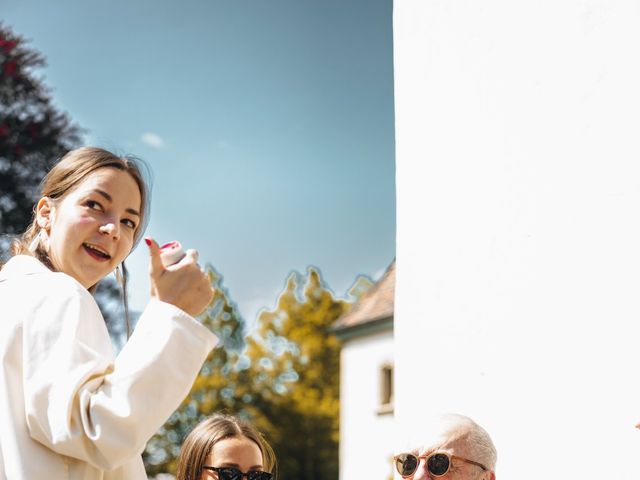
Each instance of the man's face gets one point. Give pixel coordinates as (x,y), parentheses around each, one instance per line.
(453,443)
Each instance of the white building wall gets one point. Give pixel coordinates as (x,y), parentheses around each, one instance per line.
(366,438)
(518,252)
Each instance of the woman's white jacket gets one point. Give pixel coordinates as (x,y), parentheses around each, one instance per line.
(70,408)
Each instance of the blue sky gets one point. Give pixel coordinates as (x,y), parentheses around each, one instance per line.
(268,126)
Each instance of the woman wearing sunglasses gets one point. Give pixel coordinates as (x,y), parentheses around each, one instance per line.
(224,447)
(69,407)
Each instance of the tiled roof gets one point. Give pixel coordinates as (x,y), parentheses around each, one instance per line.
(377,303)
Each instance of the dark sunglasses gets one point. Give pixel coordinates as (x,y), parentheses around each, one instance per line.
(230,473)
(438,463)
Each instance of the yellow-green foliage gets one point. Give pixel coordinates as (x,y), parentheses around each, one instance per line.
(211,391)
(286,380)
(295,372)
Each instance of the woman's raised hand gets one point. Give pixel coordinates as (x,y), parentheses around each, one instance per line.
(183,284)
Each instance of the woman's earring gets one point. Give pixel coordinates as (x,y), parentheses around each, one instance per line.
(118,273)
(41,240)
(33,246)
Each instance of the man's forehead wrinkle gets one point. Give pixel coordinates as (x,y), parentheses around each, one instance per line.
(454,434)
(452,440)
(439,431)
(442,443)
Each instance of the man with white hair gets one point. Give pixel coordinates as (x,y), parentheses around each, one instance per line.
(457,448)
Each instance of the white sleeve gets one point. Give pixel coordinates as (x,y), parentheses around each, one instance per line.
(82,403)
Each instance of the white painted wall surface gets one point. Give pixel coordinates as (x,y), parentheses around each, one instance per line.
(366,438)
(518,252)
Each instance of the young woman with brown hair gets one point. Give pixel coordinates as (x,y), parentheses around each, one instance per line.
(69,407)
(224,447)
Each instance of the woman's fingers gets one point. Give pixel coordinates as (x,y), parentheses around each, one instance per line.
(156,266)
(183,284)
(193,254)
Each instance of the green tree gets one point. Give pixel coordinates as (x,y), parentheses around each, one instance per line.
(213,388)
(285,380)
(292,382)
(33,132)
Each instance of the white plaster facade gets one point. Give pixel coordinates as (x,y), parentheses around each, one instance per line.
(366,430)
(367,384)
(518,248)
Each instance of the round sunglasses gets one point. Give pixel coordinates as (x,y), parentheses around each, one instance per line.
(230,473)
(438,463)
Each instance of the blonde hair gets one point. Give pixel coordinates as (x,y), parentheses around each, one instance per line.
(67,174)
(199,443)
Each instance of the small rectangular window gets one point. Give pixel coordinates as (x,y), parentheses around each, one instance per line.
(386,389)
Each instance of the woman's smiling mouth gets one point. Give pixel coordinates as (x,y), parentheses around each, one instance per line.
(96,252)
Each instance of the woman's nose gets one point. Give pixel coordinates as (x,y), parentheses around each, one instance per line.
(110,229)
